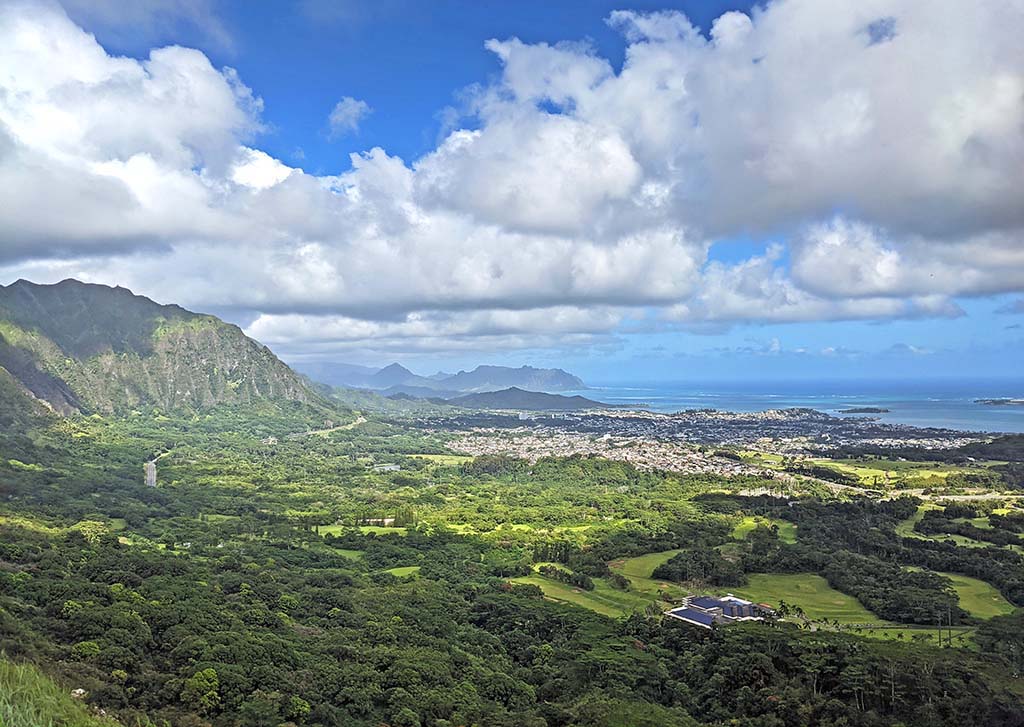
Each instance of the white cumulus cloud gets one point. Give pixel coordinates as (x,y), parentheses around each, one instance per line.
(346,116)
(879,143)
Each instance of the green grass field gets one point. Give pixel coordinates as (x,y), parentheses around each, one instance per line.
(403,571)
(811,592)
(906,530)
(762,459)
(377,529)
(639,569)
(443,459)
(351,554)
(787,530)
(978,598)
(603,599)
(883,473)
(820,601)
(642,566)
(380,530)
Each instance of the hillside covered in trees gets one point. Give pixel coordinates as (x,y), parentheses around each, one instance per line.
(278,575)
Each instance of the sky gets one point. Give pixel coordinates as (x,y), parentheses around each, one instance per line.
(631,191)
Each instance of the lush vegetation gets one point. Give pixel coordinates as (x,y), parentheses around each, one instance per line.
(28,698)
(278,574)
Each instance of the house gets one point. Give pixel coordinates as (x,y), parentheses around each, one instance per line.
(704,611)
(387,467)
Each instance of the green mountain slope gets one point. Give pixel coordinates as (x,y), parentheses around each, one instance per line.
(18,412)
(28,698)
(82,347)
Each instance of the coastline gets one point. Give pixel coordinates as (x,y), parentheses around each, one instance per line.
(942,404)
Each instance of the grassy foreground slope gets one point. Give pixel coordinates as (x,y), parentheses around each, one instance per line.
(29,699)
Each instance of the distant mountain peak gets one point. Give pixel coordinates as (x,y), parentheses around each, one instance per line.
(394,368)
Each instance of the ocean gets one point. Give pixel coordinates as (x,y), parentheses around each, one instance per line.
(925,403)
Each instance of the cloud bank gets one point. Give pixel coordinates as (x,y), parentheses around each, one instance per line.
(879,143)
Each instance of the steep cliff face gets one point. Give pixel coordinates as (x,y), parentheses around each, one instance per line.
(18,412)
(82,347)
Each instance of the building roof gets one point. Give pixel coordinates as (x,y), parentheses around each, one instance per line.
(733,599)
(706,602)
(693,616)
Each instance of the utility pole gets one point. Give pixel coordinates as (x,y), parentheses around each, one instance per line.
(949,619)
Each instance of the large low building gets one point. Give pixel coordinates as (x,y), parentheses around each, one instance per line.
(704,611)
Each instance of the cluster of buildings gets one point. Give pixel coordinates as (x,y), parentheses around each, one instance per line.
(792,428)
(532,444)
(673,442)
(705,611)
(783,431)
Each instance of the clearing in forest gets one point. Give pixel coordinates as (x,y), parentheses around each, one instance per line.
(403,571)
(810,592)
(978,598)
(603,599)
(787,530)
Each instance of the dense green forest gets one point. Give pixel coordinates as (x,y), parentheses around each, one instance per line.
(280,574)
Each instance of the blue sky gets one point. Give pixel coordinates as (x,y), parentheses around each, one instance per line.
(667,190)
(409,60)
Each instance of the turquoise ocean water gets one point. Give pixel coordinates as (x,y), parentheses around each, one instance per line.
(946,404)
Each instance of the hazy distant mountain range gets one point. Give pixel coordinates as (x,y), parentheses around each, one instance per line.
(396,379)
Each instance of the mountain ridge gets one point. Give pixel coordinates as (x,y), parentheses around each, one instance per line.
(82,347)
(516,398)
(394,378)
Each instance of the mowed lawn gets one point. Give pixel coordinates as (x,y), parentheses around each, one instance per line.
(443,459)
(809,591)
(375,529)
(881,473)
(906,529)
(978,598)
(603,599)
(403,571)
(643,565)
(639,569)
(787,530)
